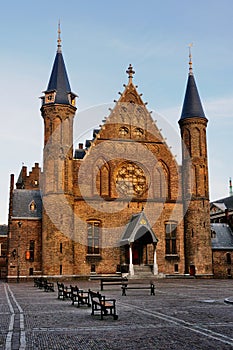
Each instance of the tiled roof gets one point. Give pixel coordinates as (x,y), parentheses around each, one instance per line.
(223,238)
(59,80)
(192,106)
(228,202)
(21,204)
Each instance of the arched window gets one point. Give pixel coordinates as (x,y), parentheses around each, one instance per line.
(187,143)
(93,237)
(123,131)
(101,179)
(164,179)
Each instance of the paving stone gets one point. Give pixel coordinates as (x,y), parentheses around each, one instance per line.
(183,314)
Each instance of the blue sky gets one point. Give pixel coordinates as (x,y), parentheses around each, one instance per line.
(99,40)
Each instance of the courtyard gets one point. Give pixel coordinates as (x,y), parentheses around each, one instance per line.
(183,314)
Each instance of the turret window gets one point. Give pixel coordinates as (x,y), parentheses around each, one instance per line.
(50,97)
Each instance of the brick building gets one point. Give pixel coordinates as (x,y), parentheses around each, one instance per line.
(3,251)
(119,203)
(221,218)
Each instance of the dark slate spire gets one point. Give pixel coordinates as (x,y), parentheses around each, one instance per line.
(192,106)
(59,85)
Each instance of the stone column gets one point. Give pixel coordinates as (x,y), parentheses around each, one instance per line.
(131,269)
(155,267)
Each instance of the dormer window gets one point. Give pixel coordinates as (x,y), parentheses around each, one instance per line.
(32,206)
(213,234)
(50,96)
(72,99)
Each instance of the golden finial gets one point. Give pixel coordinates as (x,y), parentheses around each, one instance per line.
(59,38)
(190,59)
(130,73)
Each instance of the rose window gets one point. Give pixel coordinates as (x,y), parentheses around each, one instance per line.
(131,180)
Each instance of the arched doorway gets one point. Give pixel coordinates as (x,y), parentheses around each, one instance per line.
(139,244)
(143,248)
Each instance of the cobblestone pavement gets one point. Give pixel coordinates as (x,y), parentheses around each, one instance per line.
(183,314)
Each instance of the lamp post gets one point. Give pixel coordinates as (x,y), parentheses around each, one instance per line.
(18,252)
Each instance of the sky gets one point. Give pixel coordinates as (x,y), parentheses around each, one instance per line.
(99,40)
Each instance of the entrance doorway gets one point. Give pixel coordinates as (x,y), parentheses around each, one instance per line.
(143,249)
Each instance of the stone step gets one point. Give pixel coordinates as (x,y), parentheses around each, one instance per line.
(142,268)
(141,272)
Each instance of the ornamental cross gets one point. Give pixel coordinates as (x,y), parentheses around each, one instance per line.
(130,72)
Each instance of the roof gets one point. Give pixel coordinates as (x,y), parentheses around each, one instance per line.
(22,199)
(59,81)
(136,228)
(223,238)
(227,202)
(192,106)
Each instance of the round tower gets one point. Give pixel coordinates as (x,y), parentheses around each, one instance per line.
(197,238)
(58,110)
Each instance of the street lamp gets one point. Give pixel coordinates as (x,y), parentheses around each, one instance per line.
(18,253)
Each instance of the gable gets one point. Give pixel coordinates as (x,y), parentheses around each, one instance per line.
(128,155)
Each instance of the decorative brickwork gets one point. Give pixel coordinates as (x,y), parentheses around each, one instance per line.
(91,200)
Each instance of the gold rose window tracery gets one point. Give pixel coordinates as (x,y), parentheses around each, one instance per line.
(131,180)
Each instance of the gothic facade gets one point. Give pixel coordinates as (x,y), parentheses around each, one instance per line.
(119,204)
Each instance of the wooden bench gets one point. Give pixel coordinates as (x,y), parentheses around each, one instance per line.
(79,296)
(126,286)
(48,286)
(39,282)
(110,281)
(63,291)
(100,303)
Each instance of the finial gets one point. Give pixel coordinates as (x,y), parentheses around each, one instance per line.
(190,60)
(130,73)
(59,38)
(230,187)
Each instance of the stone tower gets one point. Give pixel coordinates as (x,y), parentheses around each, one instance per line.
(58,110)
(197,239)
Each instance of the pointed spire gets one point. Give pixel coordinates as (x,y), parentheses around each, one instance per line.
(192,106)
(59,84)
(130,73)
